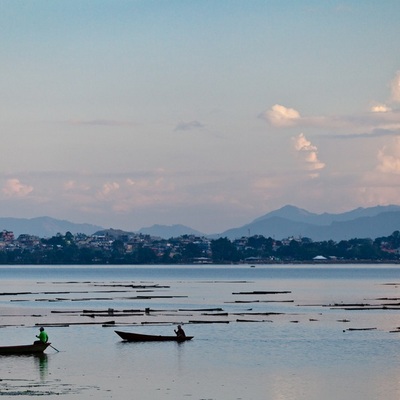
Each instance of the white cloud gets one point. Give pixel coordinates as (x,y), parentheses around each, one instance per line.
(380,121)
(109,187)
(14,188)
(72,185)
(281,116)
(302,144)
(309,153)
(389,158)
(381,185)
(380,108)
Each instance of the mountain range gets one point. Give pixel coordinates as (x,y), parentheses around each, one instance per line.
(45,226)
(290,221)
(285,222)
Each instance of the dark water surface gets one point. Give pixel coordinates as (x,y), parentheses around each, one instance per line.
(279,333)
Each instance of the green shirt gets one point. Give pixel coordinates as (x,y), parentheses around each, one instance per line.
(43,337)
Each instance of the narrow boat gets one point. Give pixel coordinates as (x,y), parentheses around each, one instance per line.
(35,348)
(138,337)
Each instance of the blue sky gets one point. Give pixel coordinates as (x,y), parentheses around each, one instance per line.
(205,113)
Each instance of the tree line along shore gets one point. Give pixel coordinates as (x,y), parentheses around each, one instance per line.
(113,247)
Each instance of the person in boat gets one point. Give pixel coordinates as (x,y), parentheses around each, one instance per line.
(180,333)
(43,336)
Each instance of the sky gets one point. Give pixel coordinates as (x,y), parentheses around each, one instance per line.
(206,113)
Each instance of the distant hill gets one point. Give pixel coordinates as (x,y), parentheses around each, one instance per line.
(169,231)
(285,222)
(292,221)
(45,226)
(383,224)
(299,215)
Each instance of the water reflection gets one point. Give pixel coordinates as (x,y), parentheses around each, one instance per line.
(180,353)
(41,364)
(311,360)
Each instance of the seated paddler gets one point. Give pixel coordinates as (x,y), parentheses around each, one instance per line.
(180,333)
(43,336)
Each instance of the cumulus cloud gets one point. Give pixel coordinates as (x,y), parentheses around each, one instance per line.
(125,194)
(309,153)
(378,117)
(302,144)
(187,126)
(72,185)
(118,192)
(14,188)
(381,184)
(379,120)
(109,187)
(389,158)
(395,88)
(281,116)
(380,108)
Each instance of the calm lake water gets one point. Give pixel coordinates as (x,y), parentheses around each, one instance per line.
(269,332)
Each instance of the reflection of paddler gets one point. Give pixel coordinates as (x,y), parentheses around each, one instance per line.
(42,361)
(43,336)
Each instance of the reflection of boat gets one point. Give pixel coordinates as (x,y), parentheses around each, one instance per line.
(137,337)
(35,348)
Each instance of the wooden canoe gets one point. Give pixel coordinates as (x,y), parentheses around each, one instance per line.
(138,337)
(35,348)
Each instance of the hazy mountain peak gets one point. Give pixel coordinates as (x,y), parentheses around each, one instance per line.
(45,226)
(289,212)
(287,221)
(290,221)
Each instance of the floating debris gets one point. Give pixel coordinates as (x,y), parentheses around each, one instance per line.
(263,292)
(207,322)
(201,309)
(254,320)
(216,314)
(361,329)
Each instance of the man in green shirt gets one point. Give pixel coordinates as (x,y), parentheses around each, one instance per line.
(43,337)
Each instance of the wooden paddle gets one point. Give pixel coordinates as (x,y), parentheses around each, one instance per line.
(54,348)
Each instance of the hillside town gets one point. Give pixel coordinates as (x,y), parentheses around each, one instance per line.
(118,247)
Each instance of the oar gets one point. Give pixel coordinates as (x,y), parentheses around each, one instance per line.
(54,348)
